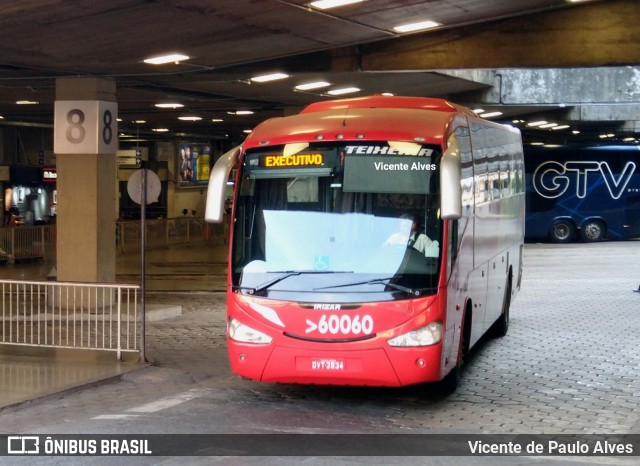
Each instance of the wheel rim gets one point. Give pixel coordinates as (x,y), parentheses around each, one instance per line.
(592,231)
(561,231)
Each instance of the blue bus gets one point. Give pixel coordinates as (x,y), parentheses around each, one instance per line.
(588,192)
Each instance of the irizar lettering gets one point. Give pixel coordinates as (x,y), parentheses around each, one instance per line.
(327,307)
(551,179)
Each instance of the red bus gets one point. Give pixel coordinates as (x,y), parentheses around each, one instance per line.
(374,241)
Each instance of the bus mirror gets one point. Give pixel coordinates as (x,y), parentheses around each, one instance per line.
(450,190)
(217,189)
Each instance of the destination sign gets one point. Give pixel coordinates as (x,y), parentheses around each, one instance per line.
(297,160)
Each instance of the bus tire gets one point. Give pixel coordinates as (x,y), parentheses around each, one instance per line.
(451,381)
(562,231)
(593,231)
(501,326)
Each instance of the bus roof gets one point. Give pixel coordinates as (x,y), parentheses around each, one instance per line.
(382,101)
(372,118)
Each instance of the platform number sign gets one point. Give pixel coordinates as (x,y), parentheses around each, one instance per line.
(85,127)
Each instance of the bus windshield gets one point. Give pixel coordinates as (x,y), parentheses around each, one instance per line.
(338,222)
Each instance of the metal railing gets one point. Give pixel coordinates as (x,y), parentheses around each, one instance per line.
(162,232)
(71,315)
(27,242)
(39,241)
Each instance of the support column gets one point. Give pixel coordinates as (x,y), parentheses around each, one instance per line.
(85,143)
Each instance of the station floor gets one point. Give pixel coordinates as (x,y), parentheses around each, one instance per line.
(27,374)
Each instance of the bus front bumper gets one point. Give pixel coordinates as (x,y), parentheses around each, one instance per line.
(391,366)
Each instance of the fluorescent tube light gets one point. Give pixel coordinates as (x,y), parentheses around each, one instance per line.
(411,27)
(313,85)
(327,4)
(537,123)
(344,90)
(269,77)
(163,59)
(169,105)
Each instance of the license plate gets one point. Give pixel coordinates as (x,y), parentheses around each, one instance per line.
(327,364)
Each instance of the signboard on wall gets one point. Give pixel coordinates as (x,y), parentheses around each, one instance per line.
(85,127)
(193,164)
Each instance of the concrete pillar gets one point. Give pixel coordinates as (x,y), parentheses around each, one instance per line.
(85,133)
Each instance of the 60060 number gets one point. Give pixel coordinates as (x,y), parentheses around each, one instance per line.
(341,324)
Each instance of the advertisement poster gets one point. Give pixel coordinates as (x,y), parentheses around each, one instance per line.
(193,164)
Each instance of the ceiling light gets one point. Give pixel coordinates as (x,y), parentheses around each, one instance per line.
(326,4)
(548,125)
(139,122)
(491,114)
(190,118)
(163,59)
(26,102)
(344,90)
(388,94)
(247,131)
(160,130)
(241,112)
(313,85)
(411,27)
(537,123)
(269,77)
(217,120)
(560,127)
(477,111)
(169,105)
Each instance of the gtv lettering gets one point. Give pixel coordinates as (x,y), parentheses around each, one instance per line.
(552,179)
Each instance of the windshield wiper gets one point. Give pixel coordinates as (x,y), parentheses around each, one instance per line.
(285,274)
(375,281)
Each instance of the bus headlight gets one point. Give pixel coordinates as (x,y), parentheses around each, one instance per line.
(245,334)
(424,336)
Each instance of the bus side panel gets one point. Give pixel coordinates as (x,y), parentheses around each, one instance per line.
(506,224)
(581,184)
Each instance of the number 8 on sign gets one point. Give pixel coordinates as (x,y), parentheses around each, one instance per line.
(85,127)
(75,131)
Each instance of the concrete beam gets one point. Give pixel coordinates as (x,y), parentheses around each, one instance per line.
(605,85)
(617,112)
(588,35)
(586,94)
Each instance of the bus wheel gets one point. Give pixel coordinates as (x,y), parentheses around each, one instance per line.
(501,326)
(592,231)
(562,231)
(452,379)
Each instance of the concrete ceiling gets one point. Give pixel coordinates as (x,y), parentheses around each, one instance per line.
(230,41)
